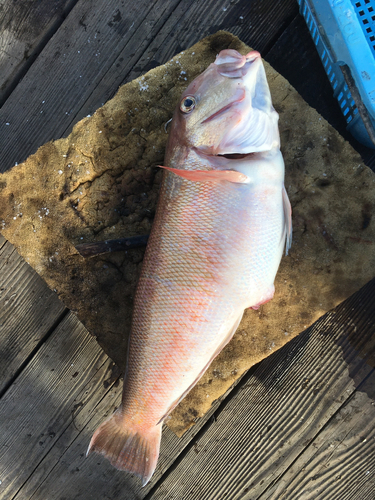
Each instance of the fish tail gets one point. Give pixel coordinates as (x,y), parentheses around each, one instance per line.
(129,449)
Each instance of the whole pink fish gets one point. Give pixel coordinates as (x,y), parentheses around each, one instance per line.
(219,232)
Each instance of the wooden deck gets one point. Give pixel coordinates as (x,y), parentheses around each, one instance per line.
(301,424)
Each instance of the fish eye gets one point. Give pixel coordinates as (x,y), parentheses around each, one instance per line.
(187,104)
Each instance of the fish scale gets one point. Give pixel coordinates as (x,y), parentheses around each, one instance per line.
(217,239)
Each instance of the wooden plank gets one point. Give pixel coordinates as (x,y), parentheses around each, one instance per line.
(279,409)
(66,473)
(96,48)
(257,24)
(25,28)
(69,69)
(28,312)
(339,463)
(67,372)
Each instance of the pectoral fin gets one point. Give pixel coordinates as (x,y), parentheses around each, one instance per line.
(287,221)
(225,341)
(210,175)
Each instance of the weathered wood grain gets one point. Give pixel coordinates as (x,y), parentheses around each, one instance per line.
(339,463)
(66,473)
(67,372)
(67,71)
(257,24)
(97,46)
(25,28)
(28,311)
(55,472)
(279,409)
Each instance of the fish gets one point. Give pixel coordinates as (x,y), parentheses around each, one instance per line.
(222,222)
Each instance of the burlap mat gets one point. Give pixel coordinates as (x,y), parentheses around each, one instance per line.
(101,183)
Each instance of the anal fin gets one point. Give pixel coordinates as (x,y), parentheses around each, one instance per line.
(265,298)
(287,221)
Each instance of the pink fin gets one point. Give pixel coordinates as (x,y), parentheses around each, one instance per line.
(287,221)
(266,298)
(210,175)
(128,449)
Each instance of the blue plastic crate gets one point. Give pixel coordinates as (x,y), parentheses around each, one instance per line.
(344,35)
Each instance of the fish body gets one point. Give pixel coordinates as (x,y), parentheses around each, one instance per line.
(219,232)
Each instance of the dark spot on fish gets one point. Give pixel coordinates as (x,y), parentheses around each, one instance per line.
(366,215)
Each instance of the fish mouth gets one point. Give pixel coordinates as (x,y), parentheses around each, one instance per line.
(227,156)
(235,156)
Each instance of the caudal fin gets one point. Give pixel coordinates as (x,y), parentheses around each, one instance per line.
(132,450)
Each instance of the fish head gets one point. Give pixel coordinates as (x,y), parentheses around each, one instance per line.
(227,109)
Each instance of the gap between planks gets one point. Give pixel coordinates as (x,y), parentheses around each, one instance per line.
(336,464)
(24,43)
(37,408)
(36,468)
(29,311)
